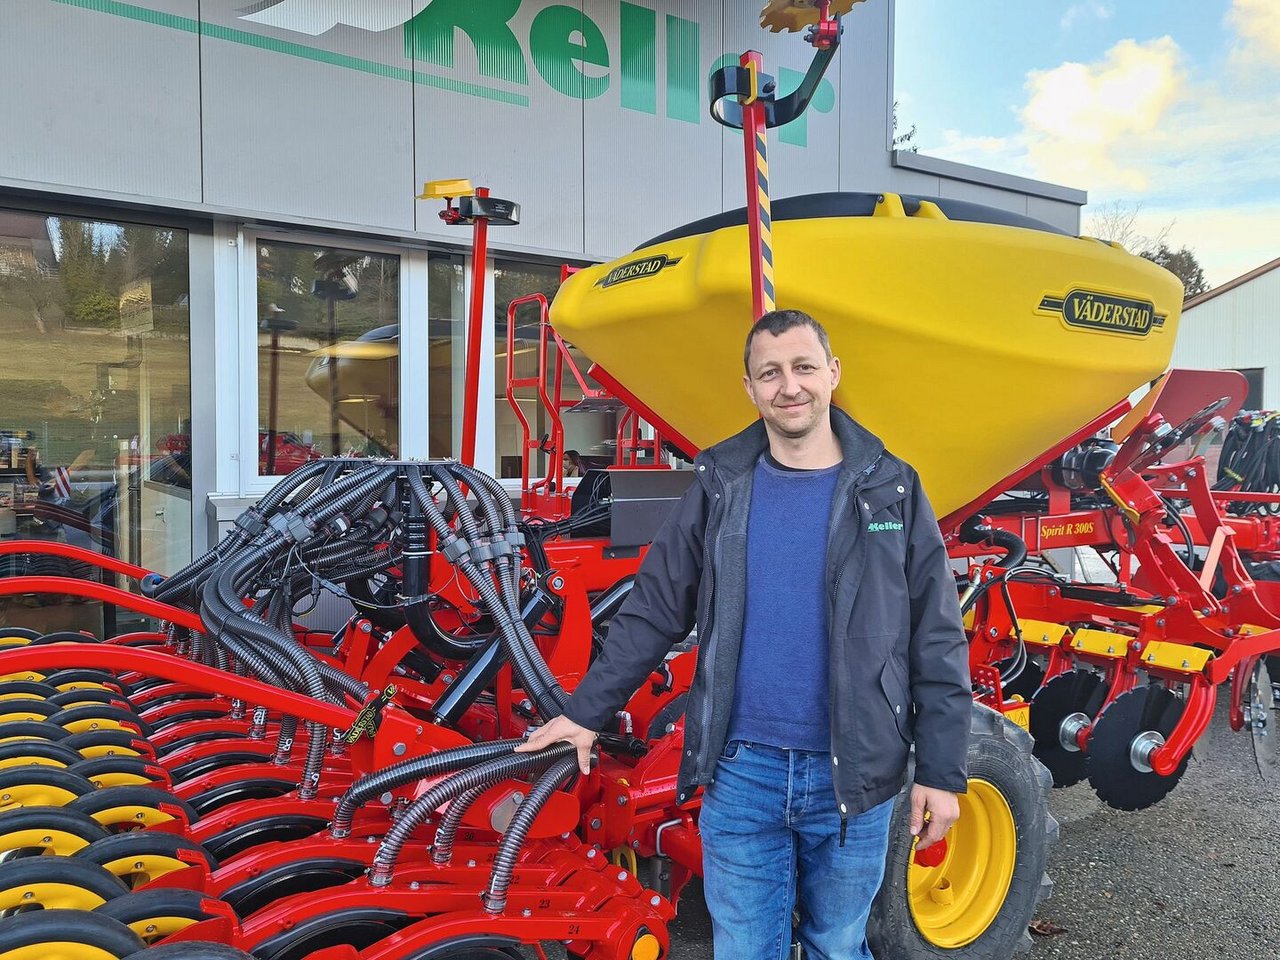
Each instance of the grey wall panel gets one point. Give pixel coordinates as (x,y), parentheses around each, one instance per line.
(1066,216)
(520,137)
(804,156)
(866,79)
(101,102)
(652,154)
(315,126)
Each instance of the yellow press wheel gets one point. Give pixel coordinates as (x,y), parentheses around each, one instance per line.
(975,896)
(954,900)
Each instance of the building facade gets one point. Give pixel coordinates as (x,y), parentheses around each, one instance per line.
(213,264)
(1237,327)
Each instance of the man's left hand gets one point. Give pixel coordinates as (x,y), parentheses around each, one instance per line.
(943,809)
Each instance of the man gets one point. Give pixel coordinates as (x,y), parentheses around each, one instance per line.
(829,634)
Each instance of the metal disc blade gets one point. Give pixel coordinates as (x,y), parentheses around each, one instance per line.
(1263,723)
(1109,760)
(1076,691)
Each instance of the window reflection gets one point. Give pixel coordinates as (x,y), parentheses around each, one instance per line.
(446,310)
(96,399)
(328,354)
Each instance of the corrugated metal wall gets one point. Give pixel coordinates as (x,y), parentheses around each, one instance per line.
(1239,329)
(593,116)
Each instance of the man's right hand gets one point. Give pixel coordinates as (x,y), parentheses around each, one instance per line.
(562,729)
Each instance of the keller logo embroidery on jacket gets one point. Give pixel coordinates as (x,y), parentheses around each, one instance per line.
(884,526)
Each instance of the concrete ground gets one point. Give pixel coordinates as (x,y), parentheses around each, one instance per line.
(1195,876)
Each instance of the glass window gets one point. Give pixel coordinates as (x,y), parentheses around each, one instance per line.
(95,388)
(589,433)
(328,354)
(446,325)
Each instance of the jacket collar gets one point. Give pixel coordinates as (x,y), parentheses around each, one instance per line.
(738,454)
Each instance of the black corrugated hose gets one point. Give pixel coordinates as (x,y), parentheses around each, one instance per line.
(407,771)
(488,773)
(504,862)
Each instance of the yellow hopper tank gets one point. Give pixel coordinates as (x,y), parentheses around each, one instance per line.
(972,339)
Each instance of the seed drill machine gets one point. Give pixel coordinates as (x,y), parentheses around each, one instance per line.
(231,784)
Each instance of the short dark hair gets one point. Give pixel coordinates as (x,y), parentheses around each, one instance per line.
(778,322)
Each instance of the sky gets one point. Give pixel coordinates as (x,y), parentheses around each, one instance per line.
(1169,109)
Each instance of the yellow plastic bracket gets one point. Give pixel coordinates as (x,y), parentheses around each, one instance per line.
(1099,643)
(1041,633)
(1175,656)
(890,205)
(440,189)
(753,85)
(930,211)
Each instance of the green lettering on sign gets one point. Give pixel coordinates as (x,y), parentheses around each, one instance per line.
(430,36)
(638,64)
(556,52)
(684,85)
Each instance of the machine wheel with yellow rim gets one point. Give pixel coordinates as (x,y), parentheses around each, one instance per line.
(66,935)
(974,897)
(156,914)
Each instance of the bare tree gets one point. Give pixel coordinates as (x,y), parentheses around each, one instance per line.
(1117,221)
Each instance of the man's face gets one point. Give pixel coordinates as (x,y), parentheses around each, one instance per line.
(790,380)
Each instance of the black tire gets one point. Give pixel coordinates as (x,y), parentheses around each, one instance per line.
(288,879)
(120,854)
(213,732)
(32,730)
(274,829)
(26,689)
(110,803)
(64,636)
(49,752)
(18,633)
(41,786)
(27,930)
(1000,755)
(191,950)
(358,927)
(70,679)
(155,914)
(198,768)
(79,697)
(55,830)
(258,788)
(19,710)
(483,946)
(120,771)
(56,882)
(108,743)
(98,716)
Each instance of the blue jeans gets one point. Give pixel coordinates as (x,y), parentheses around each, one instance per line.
(771,830)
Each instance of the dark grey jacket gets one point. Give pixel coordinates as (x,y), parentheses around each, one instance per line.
(899,658)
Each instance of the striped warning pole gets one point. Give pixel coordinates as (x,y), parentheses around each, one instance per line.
(755,143)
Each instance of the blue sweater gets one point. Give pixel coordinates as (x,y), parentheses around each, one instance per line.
(782,694)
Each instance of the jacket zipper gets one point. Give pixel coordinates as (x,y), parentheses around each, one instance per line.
(835,589)
(711,664)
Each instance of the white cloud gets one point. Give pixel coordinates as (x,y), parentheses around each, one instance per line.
(1140,124)
(1080,119)
(1257,27)
(1091,9)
